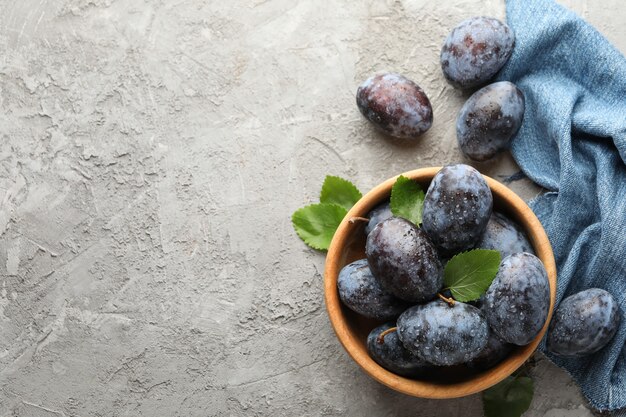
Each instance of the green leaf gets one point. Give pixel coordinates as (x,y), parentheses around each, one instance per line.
(316,224)
(510,398)
(407,200)
(469,274)
(338,191)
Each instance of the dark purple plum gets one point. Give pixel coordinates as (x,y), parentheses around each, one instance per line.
(442,334)
(517,302)
(489,119)
(393,356)
(395,105)
(492,354)
(584,323)
(378,214)
(360,291)
(457,207)
(505,236)
(475,51)
(404,260)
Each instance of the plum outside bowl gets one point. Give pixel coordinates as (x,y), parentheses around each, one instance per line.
(348,245)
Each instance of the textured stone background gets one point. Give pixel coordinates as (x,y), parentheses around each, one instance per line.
(151,155)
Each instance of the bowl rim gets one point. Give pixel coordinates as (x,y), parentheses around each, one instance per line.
(524,216)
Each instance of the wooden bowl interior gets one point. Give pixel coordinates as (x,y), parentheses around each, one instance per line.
(352,329)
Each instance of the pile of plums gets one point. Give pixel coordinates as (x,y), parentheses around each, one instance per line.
(472,54)
(402,275)
(399,281)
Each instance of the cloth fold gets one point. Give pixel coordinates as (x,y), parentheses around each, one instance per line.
(573,143)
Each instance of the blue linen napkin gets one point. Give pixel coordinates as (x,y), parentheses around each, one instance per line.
(573,143)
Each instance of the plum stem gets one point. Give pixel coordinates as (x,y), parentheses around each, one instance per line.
(358,219)
(381,337)
(450,301)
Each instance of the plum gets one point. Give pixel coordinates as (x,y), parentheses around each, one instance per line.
(360,291)
(442,334)
(393,356)
(505,236)
(584,323)
(489,119)
(518,300)
(376,215)
(395,105)
(475,51)
(457,207)
(404,260)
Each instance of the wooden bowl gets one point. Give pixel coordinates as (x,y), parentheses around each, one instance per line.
(348,245)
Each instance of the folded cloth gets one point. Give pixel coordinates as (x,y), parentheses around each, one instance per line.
(573,143)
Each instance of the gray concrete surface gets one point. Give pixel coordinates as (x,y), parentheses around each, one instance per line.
(152,153)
